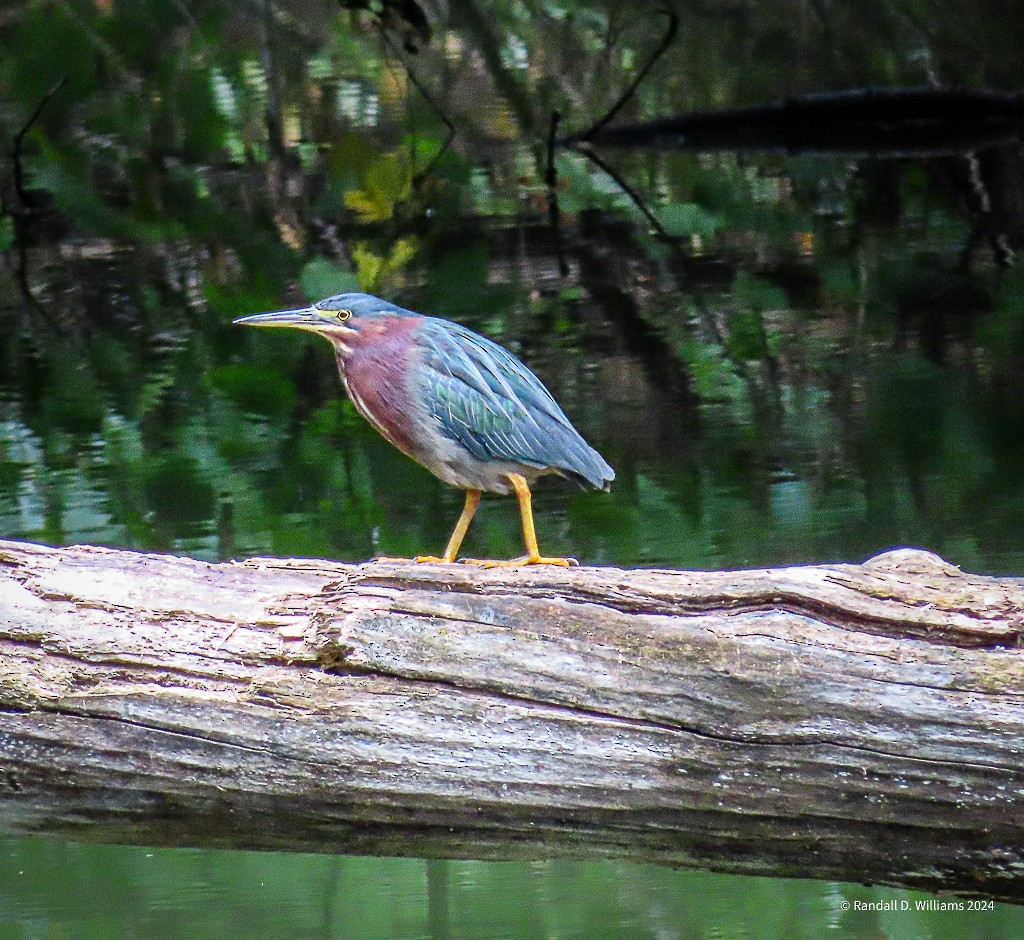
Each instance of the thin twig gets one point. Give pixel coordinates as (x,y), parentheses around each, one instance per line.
(628,190)
(666,41)
(273,116)
(433,105)
(552,173)
(21,217)
(554,214)
(19,140)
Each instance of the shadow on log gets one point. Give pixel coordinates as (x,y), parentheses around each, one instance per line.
(851,722)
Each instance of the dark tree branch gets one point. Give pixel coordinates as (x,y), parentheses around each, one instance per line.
(627,95)
(554,213)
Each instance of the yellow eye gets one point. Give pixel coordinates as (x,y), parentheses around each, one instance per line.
(343,315)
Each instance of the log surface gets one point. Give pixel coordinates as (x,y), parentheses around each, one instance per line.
(851,722)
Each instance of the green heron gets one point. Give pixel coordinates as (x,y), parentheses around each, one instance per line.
(454,401)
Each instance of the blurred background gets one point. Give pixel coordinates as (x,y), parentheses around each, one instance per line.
(787,357)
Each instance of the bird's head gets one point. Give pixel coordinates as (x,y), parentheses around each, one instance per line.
(338,318)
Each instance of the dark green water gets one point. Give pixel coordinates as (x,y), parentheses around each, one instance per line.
(820,361)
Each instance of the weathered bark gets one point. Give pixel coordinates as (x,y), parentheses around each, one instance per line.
(858,722)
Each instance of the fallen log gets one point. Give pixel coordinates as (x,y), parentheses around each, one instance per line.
(852,722)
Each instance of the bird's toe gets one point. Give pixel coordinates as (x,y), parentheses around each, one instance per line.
(561,562)
(520,562)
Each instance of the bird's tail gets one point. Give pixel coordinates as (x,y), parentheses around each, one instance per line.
(589,468)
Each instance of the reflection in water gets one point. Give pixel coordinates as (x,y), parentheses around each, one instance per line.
(154,893)
(786,360)
(438,899)
(779,400)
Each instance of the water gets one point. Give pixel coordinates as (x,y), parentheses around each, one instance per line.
(106,891)
(820,362)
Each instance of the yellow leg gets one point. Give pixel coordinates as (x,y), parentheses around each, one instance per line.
(533,555)
(458,533)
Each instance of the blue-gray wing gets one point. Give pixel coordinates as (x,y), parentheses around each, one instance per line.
(493,405)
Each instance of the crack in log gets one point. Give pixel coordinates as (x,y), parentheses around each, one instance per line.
(575,713)
(95,666)
(1007,694)
(785,600)
(822,612)
(86,715)
(577,709)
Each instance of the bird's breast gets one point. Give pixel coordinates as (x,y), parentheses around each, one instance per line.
(376,372)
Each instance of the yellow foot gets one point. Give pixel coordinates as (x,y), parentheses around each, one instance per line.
(518,562)
(419,559)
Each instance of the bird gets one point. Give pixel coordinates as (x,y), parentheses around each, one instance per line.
(456,402)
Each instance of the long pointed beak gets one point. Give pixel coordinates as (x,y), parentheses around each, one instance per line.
(301,318)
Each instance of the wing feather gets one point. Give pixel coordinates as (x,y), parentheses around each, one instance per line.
(487,400)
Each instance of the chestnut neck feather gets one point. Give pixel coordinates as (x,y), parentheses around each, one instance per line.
(376,373)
